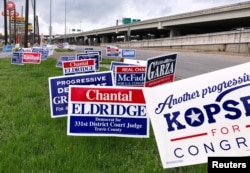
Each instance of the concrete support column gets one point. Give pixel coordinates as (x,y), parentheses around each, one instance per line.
(114,39)
(125,37)
(104,39)
(91,41)
(174,32)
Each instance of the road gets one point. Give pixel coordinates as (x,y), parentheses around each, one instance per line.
(193,63)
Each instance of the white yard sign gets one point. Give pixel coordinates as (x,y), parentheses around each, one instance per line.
(202,116)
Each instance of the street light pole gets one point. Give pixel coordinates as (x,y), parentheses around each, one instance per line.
(5,23)
(26,23)
(65,20)
(50,28)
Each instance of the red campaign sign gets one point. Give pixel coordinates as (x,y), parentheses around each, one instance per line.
(78,63)
(31,57)
(111,95)
(130,69)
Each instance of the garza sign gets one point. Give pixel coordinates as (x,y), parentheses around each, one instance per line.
(107,111)
(160,70)
(207,115)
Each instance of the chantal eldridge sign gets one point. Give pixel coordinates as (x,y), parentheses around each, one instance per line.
(203,116)
(107,111)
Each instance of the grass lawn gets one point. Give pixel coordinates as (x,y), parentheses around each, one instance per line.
(32,142)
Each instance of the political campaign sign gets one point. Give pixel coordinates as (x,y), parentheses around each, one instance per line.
(78,66)
(59,88)
(95,52)
(160,70)
(130,76)
(64,58)
(107,111)
(25,49)
(127,53)
(43,51)
(7,49)
(203,116)
(17,58)
(112,51)
(31,58)
(81,56)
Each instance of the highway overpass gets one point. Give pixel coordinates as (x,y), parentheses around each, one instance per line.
(224,28)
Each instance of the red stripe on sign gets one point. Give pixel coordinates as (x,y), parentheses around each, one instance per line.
(130,69)
(78,63)
(106,94)
(160,81)
(188,137)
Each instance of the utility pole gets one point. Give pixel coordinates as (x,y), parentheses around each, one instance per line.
(5,23)
(50,27)
(65,22)
(26,23)
(34,27)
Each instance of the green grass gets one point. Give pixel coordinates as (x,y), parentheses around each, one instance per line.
(63,50)
(32,142)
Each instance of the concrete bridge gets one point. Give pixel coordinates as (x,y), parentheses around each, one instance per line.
(224,28)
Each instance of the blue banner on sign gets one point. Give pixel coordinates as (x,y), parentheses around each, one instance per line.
(44,52)
(59,86)
(111,125)
(130,79)
(8,49)
(95,51)
(17,58)
(128,53)
(95,56)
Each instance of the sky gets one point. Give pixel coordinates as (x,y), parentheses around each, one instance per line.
(87,15)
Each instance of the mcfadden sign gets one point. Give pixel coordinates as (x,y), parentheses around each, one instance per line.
(203,116)
(107,111)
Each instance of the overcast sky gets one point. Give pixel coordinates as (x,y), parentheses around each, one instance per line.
(87,15)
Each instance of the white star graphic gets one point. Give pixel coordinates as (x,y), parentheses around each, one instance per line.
(194,117)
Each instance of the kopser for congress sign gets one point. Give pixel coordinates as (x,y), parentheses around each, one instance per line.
(203,116)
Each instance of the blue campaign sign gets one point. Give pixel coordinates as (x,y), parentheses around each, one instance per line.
(128,53)
(81,56)
(59,86)
(44,52)
(139,128)
(8,49)
(95,51)
(107,111)
(17,58)
(130,76)
(64,58)
(160,70)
